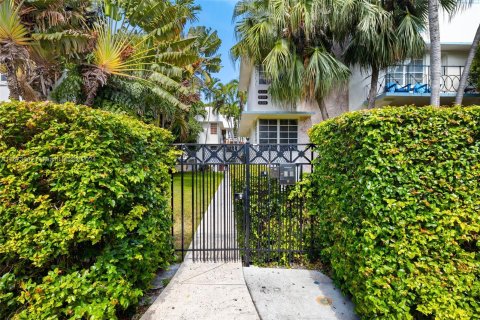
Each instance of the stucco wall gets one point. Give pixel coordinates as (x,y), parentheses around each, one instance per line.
(4,92)
(461,27)
(206,137)
(252,101)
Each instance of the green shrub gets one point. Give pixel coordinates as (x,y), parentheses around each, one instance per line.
(84,219)
(396,196)
(475,71)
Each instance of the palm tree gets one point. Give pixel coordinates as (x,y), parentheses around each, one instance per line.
(292,40)
(115,53)
(431,10)
(435,52)
(468,65)
(14,40)
(62,34)
(379,35)
(206,44)
(144,41)
(229,101)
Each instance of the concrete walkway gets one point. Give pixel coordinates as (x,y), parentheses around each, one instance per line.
(292,294)
(217,288)
(208,290)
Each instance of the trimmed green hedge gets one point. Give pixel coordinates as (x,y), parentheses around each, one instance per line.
(84,215)
(396,194)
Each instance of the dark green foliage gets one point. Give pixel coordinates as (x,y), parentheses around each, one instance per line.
(475,70)
(84,215)
(139,99)
(134,97)
(70,89)
(396,195)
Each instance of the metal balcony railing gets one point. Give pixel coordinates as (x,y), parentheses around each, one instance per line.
(415,79)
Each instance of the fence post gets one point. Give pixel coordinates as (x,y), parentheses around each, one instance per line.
(246,206)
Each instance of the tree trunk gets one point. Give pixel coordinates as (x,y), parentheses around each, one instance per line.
(12,81)
(323,109)
(92,93)
(372,94)
(466,71)
(435,52)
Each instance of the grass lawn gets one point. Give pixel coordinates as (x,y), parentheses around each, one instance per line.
(191,183)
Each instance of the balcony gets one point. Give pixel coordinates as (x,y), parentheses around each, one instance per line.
(410,84)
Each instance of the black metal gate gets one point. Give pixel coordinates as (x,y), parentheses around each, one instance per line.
(241,201)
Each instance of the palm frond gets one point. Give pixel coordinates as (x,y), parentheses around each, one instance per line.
(11,28)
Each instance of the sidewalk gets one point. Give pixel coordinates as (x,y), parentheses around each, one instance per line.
(293,294)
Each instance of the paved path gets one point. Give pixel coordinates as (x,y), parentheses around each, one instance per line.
(292,294)
(207,290)
(218,290)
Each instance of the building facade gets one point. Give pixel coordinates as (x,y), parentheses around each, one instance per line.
(217,129)
(264,121)
(4,92)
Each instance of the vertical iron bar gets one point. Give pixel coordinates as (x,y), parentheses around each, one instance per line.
(198,202)
(193,213)
(172,208)
(300,206)
(247,204)
(234,207)
(203,217)
(182,206)
(215,203)
(224,207)
(269,217)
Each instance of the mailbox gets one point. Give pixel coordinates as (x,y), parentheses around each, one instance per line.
(288,174)
(274,171)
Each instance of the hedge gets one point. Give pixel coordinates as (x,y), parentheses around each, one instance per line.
(396,196)
(84,219)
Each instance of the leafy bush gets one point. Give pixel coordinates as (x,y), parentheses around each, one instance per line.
(475,70)
(84,219)
(70,89)
(397,199)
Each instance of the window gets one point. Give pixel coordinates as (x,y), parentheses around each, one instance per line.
(262,77)
(411,72)
(3,77)
(277,131)
(288,131)
(213,128)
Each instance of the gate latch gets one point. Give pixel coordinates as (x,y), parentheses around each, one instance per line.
(238,196)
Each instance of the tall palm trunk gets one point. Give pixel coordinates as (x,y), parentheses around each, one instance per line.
(323,108)
(92,93)
(12,81)
(435,52)
(468,65)
(372,94)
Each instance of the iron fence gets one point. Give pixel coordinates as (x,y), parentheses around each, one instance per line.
(241,201)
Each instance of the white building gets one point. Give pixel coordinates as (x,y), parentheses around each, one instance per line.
(266,122)
(4,92)
(217,129)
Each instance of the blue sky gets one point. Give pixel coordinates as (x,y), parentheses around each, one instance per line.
(217,14)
